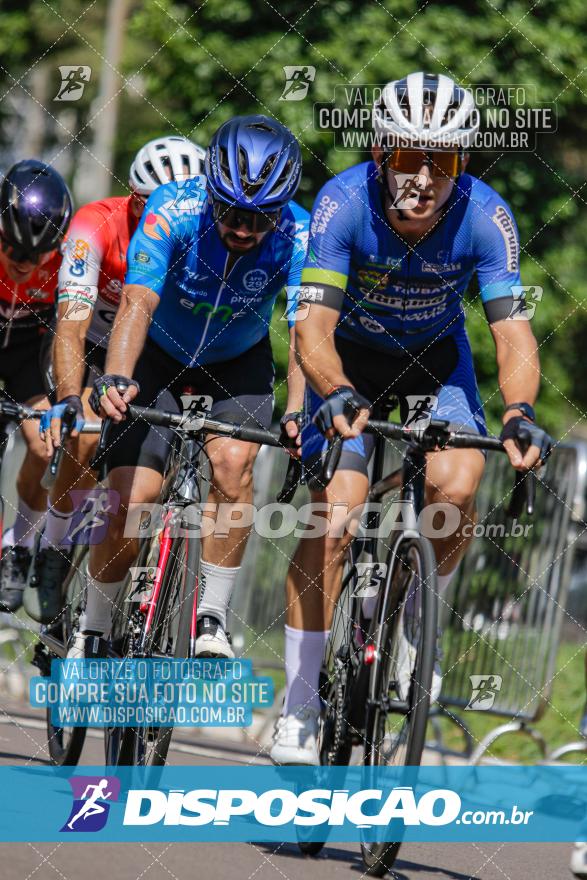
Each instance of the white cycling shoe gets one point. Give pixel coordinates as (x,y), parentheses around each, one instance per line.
(295,740)
(212,640)
(406,659)
(579,860)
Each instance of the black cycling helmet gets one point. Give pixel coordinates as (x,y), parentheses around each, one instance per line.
(35,209)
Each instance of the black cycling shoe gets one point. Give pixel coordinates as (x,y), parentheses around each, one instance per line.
(211,639)
(42,598)
(14,569)
(87,645)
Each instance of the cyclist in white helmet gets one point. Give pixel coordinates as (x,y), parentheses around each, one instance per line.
(384,281)
(90,281)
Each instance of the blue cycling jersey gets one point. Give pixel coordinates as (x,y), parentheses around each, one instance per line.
(399,297)
(206,315)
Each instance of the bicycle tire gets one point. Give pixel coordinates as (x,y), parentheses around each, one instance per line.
(334,738)
(65,745)
(149,746)
(380,857)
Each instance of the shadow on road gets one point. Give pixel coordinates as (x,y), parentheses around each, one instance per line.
(27,758)
(333,853)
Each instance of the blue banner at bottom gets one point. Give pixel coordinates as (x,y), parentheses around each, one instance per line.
(259,803)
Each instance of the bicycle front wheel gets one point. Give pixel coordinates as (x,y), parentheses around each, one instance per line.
(401,675)
(65,744)
(168,635)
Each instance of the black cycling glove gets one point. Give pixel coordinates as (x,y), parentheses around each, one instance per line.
(527,434)
(284,437)
(344,401)
(103,383)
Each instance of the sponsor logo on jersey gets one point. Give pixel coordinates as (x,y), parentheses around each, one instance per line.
(142,257)
(156,227)
(373,280)
(441,267)
(384,262)
(323,214)
(310,293)
(255,279)
(37,293)
(386,300)
(505,224)
(207,309)
(79,256)
(371,324)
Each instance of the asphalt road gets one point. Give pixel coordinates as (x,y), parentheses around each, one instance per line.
(22,742)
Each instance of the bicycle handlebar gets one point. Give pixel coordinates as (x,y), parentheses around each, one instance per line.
(201,424)
(437,435)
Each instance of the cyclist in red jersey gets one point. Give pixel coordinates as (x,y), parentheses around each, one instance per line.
(90,283)
(35,210)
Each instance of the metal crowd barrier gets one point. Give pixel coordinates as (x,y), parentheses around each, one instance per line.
(502,616)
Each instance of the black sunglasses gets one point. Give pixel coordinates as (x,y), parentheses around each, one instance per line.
(19,254)
(234,218)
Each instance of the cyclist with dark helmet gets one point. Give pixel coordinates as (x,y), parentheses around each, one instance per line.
(204,270)
(35,210)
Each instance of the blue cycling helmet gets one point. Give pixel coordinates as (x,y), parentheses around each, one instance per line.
(254,163)
(35,208)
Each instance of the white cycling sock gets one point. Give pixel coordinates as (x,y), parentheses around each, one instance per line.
(443,580)
(56,528)
(304,650)
(101,596)
(26,525)
(216,586)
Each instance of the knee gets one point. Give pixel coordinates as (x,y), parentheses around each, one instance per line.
(232,467)
(457,486)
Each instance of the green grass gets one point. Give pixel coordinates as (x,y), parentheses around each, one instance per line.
(558,725)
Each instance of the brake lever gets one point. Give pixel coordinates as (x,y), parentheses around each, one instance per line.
(292,480)
(67,425)
(524,491)
(331,460)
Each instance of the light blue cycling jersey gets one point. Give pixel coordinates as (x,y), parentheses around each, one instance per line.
(176,251)
(399,297)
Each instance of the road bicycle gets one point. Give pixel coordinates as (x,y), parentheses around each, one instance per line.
(364,700)
(64,744)
(159,619)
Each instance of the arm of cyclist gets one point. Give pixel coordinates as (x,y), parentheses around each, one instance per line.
(148,263)
(129,334)
(76,298)
(497,250)
(343,411)
(519,378)
(291,421)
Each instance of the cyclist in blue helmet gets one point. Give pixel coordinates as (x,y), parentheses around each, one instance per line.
(35,210)
(205,266)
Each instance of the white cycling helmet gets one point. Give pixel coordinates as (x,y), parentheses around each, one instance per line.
(426,110)
(175,154)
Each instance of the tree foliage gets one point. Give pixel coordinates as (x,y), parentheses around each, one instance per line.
(188,66)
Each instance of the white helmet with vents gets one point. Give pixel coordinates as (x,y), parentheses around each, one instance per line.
(426,110)
(165,159)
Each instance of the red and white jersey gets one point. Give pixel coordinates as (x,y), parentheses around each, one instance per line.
(29,303)
(94,263)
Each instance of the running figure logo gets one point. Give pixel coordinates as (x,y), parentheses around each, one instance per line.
(74,79)
(92,510)
(421,410)
(90,809)
(525,300)
(485,688)
(297,82)
(408,190)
